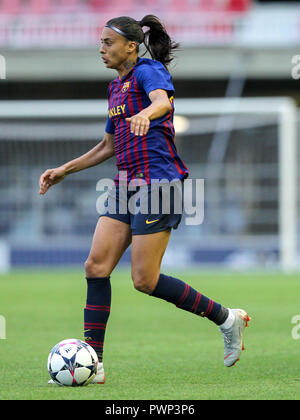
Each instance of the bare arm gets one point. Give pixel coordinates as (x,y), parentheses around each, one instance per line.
(101,152)
(160,105)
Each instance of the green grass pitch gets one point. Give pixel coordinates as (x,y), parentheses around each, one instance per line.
(152,350)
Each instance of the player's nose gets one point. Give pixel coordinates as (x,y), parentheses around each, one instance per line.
(101,49)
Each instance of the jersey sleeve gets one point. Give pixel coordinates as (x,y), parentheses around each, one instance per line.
(155,76)
(110,127)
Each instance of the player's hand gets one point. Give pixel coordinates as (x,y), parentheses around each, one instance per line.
(139,124)
(51,177)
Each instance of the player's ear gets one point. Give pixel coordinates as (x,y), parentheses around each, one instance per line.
(131,46)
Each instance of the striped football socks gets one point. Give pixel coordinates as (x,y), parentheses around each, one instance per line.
(185,297)
(96,312)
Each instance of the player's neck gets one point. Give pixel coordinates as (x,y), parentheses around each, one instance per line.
(126,66)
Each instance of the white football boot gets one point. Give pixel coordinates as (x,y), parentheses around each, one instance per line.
(51,382)
(234,337)
(100,375)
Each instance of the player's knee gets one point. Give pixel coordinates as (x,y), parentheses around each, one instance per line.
(94,268)
(142,282)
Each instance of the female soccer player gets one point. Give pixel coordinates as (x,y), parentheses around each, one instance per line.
(140,133)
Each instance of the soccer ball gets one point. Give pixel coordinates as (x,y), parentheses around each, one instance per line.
(72,362)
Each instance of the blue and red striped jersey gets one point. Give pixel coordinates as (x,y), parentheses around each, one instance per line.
(153,156)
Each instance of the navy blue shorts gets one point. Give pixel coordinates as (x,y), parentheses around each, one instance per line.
(148,209)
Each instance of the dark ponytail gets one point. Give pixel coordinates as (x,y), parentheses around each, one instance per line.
(156,39)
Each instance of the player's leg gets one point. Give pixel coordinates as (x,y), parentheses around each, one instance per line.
(111,239)
(147,253)
(146,256)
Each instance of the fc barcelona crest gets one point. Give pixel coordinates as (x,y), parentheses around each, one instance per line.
(126,86)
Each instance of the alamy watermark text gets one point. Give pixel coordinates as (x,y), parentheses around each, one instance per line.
(2,328)
(296,328)
(158,197)
(2,67)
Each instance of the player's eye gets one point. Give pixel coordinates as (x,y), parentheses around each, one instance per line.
(107,43)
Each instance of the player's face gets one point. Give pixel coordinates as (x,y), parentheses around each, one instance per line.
(115,49)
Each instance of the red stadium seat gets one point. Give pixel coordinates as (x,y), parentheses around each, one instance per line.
(115,6)
(178,5)
(70,5)
(40,6)
(98,5)
(8,7)
(239,5)
(221,5)
(146,7)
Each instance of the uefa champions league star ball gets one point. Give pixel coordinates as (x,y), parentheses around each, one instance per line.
(72,362)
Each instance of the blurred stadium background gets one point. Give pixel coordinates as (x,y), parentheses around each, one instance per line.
(50,69)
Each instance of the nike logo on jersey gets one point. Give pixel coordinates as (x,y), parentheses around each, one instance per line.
(148,222)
